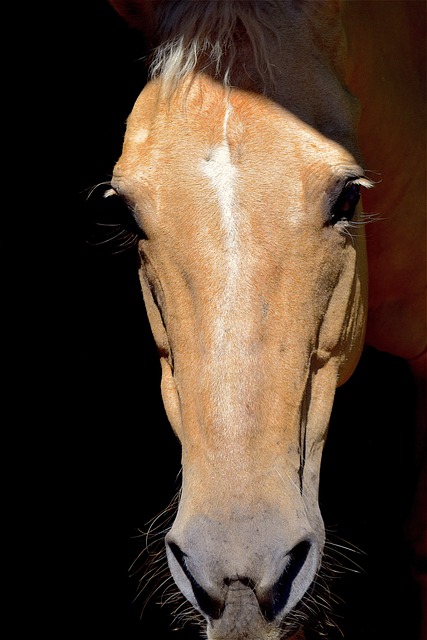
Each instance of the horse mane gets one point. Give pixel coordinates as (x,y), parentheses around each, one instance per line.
(229,40)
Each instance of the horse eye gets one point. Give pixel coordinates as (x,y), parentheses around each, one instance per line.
(121,212)
(111,223)
(344,207)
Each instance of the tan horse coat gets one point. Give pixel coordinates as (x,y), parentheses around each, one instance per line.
(234,283)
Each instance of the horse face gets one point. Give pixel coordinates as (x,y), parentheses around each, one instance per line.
(254,285)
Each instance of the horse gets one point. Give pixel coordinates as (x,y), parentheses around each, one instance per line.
(274,165)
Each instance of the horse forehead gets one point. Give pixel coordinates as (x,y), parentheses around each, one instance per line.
(204,114)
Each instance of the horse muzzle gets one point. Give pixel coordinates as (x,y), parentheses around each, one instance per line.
(244,576)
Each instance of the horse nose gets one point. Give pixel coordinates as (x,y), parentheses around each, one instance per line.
(276,589)
(210,600)
(273,599)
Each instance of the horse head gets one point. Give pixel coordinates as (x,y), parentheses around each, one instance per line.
(253,272)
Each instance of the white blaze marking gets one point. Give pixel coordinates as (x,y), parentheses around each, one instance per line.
(230,332)
(222,175)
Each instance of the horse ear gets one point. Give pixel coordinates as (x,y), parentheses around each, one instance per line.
(139,14)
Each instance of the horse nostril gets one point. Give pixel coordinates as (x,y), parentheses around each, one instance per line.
(209,605)
(275,599)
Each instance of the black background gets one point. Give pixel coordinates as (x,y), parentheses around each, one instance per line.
(107,461)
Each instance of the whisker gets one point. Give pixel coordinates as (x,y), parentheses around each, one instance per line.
(155,582)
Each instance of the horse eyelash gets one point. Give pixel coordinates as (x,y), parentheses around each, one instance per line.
(110,230)
(363,182)
(364,217)
(349,226)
